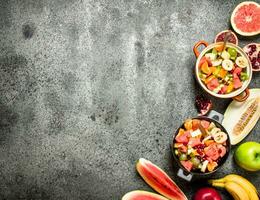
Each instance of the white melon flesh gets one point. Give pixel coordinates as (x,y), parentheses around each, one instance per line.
(234,112)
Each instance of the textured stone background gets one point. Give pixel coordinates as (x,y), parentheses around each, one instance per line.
(88,87)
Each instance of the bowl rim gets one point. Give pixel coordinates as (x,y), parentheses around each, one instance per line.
(236,92)
(224,159)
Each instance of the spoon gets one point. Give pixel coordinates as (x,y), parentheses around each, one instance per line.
(226,40)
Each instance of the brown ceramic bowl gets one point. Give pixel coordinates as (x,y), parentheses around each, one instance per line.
(237,94)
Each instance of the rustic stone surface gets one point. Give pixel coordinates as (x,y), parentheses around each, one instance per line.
(88,87)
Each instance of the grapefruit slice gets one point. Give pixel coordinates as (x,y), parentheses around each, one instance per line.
(159,180)
(142,195)
(245,18)
(220,37)
(253,52)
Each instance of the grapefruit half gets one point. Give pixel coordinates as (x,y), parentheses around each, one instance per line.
(245,18)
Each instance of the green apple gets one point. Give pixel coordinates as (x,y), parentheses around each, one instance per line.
(247,156)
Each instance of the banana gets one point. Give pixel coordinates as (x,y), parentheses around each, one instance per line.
(246,185)
(249,187)
(237,192)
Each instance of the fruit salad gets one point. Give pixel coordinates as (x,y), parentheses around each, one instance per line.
(200,145)
(223,71)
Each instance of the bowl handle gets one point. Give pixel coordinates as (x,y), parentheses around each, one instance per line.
(195,48)
(181,174)
(216,116)
(241,98)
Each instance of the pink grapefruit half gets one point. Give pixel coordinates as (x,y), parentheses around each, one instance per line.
(245,18)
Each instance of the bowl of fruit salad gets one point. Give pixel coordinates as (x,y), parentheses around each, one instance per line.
(223,72)
(200,146)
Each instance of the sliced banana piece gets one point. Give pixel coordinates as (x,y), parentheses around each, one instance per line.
(241,62)
(227,64)
(220,137)
(211,56)
(216,62)
(225,55)
(214,131)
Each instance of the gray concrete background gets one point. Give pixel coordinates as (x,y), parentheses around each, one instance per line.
(88,87)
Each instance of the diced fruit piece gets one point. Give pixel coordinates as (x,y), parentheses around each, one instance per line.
(205,68)
(216,72)
(222,74)
(244,76)
(232,39)
(221,150)
(183,156)
(232,52)
(187,165)
(237,83)
(216,62)
(207,80)
(183,149)
(181,131)
(212,151)
(142,195)
(242,62)
(209,142)
(219,47)
(220,137)
(188,124)
(211,56)
(195,124)
(227,64)
(159,180)
(202,60)
(237,70)
(194,142)
(213,84)
(204,124)
(183,138)
(212,166)
(212,69)
(224,89)
(204,165)
(203,104)
(230,87)
(196,133)
(178,145)
(225,55)
(195,162)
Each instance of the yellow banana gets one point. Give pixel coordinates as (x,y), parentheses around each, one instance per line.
(249,187)
(237,192)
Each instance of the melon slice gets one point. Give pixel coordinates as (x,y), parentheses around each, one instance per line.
(142,195)
(241,117)
(159,180)
(245,18)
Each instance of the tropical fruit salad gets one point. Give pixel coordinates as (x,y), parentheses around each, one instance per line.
(200,145)
(223,71)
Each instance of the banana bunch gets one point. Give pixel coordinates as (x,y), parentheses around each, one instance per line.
(239,187)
